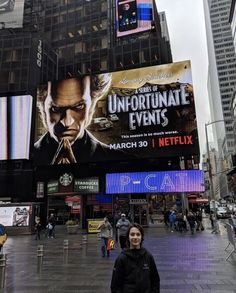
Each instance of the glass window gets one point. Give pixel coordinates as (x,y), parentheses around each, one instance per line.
(104,42)
(78,47)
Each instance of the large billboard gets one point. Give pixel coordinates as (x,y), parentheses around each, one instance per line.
(11,13)
(140,113)
(133,16)
(15,216)
(15,125)
(152,182)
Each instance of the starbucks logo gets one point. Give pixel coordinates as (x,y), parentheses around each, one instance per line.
(66,179)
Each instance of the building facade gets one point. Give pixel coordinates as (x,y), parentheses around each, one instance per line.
(73,38)
(222,77)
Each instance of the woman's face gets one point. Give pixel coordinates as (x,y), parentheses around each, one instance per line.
(135,238)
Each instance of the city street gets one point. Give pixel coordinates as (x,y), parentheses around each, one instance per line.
(186,263)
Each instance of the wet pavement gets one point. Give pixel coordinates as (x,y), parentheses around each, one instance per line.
(186,263)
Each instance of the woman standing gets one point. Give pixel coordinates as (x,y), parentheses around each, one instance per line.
(106,233)
(135,269)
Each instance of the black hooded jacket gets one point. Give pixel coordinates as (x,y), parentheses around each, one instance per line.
(135,272)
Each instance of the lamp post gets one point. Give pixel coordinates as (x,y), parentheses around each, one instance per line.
(212,193)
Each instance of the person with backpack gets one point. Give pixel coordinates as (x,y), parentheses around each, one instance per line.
(3,236)
(37,228)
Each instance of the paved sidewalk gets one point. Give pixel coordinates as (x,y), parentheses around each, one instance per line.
(186,263)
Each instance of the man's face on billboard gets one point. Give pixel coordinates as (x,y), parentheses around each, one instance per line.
(66,107)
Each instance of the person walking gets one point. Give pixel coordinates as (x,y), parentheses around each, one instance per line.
(192,221)
(37,228)
(135,269)
(51,226)
(123,225)
(3,236)
(106,234)
(172,220)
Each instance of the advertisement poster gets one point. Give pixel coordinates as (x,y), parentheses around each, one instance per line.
(15,216)
(93,225)
(11,13)
(15,125)
(139,113)
(133,16)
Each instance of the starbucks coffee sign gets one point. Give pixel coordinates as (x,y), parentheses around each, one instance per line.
(87,185)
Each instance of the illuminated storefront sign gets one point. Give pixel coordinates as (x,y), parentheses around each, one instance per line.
(87,185)
(149,182)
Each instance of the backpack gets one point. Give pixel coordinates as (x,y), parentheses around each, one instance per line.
(2,230)
(50,226)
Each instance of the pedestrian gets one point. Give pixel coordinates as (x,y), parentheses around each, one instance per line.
(192,221)
(3,236)
(106,234)
(172,220)
(37,228)
(51,226)
(123,225)
(49,230)
(199,221)
(166,217)
(212,220)
(135,269)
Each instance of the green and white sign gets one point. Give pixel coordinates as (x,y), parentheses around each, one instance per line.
(52,187)
(87,185)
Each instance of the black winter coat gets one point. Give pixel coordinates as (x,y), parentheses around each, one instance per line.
(135,272)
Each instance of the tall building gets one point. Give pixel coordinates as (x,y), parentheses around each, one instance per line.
(86,37)
(222,55)
(60,39)
(222,75)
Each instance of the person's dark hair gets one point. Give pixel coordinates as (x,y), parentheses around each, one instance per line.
(140,228)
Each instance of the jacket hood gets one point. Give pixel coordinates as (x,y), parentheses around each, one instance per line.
(134,253)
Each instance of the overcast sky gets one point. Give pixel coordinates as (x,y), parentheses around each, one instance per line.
(185,20)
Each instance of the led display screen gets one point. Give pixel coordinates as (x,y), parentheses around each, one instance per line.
(3,127)
(133,16)
(140,113)
(11,13)
(15,125)
(15,216)
(153,182)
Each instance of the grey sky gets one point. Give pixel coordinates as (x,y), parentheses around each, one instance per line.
(185,19)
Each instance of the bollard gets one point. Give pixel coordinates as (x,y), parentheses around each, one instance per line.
(65,251)
(2,270)
(40,258)
(84,239)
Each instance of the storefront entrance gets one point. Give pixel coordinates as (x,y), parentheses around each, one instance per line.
(139,213)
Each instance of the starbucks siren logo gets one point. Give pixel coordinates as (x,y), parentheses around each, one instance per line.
(66,179)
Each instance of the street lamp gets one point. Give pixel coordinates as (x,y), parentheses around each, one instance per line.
(212,194)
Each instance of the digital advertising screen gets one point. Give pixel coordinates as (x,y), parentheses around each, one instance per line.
(17,216)
(15,125)
(133,114)
(11,13)
(133,16)
(3,127)
(152,182)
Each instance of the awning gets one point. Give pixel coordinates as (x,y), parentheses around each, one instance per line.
(198,200)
